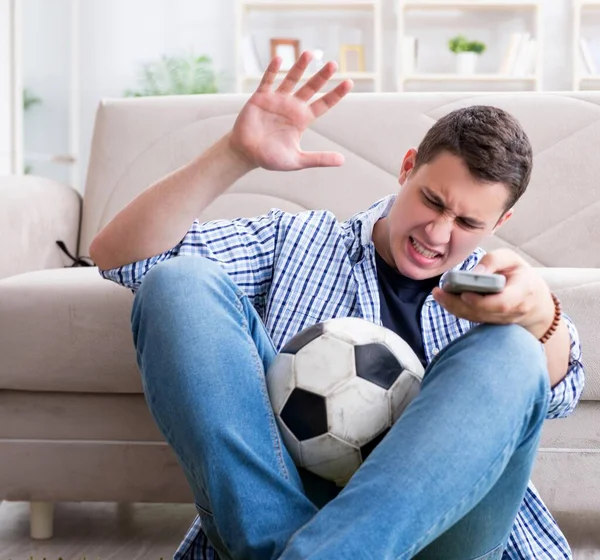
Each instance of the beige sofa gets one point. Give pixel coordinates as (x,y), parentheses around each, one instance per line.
(73,421)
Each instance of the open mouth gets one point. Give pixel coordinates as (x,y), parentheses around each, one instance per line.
(423,251)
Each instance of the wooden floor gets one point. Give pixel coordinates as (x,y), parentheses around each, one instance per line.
(97,531)
(153,531)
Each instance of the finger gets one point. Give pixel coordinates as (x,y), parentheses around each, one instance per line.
(321,159)
(331,98)
(316,82)
(269,75)
(498,261)
(505,303)
(471,298)
(295,74)
(454,305)
(491,303)
(457,306)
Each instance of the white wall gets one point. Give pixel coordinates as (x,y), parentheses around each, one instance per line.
(10,83)
(116,36)
(5,89)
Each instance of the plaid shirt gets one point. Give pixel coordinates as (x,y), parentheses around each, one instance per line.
(300,269)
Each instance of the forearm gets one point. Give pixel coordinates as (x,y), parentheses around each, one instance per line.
(539,321)
(557,353)
(159,217)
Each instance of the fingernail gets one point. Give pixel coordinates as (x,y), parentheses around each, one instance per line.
(480,268)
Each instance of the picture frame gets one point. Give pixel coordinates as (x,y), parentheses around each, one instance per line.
(288,50)
(352,58)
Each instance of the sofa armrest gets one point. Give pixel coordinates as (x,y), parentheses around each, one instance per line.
(66,330)
(579,292)
(34,214)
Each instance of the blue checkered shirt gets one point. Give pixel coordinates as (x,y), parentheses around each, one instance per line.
(300,269)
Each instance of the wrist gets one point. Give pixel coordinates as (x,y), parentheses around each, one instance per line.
(236,156)
(542,316)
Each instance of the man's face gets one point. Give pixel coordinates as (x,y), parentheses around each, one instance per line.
(440,216)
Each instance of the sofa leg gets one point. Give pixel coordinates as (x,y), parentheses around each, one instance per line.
(41,519)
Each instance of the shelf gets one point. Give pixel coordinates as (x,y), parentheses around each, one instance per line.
(308,5)
(338,76)
(590,78)
(65,159)
(588,3)
(369,12)
(470,5)
(467,78)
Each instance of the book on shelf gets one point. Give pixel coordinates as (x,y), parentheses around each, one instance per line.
(520,56)
(525,63)
(588,65)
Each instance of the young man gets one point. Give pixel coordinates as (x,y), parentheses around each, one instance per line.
(450,480)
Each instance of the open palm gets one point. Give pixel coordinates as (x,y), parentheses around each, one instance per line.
(269,127)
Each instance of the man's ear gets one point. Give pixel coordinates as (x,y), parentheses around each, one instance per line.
(506,216)
(408,164)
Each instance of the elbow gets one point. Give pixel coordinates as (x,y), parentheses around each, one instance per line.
(98,254)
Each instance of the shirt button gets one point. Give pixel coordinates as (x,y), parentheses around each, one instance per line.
(436,351)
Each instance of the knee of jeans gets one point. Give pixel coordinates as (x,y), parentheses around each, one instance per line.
(177,272)
(188,280)
(516,345)
(185,276)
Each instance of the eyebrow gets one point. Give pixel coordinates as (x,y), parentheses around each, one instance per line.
(434,197)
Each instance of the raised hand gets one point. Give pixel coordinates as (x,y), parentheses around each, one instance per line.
(268,129)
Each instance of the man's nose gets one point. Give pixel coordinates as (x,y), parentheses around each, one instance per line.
(439,231)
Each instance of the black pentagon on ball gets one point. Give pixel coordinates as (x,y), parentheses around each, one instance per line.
(301,339)
(368,447)
(305,414)
(376,363)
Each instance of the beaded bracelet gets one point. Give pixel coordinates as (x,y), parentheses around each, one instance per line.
(555,321)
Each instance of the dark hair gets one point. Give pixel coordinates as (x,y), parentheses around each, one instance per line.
(489,140)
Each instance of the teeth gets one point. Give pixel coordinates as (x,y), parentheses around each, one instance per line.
(425,252)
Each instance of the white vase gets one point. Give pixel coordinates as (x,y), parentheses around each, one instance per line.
(466,62)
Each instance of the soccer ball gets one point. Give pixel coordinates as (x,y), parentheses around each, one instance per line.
(336,389)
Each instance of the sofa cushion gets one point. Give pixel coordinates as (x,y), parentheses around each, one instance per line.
(66,330)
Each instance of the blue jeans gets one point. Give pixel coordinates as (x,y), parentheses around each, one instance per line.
(445,483)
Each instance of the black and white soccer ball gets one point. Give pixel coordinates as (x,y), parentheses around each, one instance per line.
(336,389)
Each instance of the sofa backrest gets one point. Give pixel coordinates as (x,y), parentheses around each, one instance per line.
(557,222)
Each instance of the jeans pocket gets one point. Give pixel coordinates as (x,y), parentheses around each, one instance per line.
(495,554)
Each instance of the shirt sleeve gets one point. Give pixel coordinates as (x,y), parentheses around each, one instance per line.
(244,247)
(565,395)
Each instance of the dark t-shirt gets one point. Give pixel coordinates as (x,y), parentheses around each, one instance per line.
(401,301)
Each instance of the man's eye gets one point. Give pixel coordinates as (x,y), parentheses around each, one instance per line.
(432,203)
(466,225)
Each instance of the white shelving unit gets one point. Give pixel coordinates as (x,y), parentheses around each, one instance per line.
(245,7)
(580,78)
(532,81)
(471,4)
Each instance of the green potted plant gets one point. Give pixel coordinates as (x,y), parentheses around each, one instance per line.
(466,53)
(176,75)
